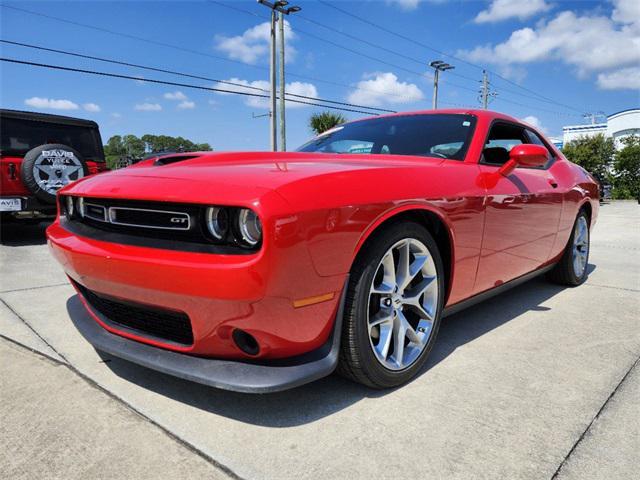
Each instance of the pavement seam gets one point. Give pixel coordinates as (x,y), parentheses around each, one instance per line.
(189,446)
(34,288)
(31,349)
(602,407)
(613,288)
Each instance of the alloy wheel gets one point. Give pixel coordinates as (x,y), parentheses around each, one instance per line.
(580,246)
(403,302)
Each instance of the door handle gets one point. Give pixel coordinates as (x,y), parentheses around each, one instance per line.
(553,183)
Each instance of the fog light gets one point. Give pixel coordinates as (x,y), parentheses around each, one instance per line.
(246,342)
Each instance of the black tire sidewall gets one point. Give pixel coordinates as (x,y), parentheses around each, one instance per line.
(27,169)
(373,369)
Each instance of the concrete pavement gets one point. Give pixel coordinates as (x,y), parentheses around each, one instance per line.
(521,386)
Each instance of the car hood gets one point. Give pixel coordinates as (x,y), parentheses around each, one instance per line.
(238,177)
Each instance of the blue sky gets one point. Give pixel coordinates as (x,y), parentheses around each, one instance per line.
(581,56)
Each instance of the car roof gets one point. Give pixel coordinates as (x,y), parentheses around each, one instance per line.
(484,114)
(46,117)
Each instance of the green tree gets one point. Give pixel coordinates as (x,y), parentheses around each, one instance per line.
(113,150)
(134,147)
(626,177)
(594,154)
(321,122)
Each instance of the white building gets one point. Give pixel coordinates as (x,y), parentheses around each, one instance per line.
(618,126)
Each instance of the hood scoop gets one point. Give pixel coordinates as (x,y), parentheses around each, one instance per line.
(169,159)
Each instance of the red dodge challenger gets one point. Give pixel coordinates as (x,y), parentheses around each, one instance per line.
(258,272)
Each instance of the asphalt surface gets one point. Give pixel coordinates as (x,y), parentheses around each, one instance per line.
(540,382)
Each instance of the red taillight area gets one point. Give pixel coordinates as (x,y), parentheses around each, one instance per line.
(10,177)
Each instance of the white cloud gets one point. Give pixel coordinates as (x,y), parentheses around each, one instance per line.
(591,43)
(91,107)
(177,95)
(300,88)
(623,79)
(504,9)
(116,115)
(148,107)
(535,122)
(186,105)
(51,103)
(382,88)
(405,4)
(253,44)
(627,12)
(297,88)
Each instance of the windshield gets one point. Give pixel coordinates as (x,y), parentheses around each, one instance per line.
(18,136)
(429,135)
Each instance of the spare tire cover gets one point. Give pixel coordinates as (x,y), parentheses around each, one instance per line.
(48,168)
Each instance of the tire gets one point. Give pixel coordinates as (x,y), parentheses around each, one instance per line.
(362,353)
(566,272)
(48,168)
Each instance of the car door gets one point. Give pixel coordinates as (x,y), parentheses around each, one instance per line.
(522,210)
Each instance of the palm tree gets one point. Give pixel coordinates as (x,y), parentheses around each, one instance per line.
(321,122)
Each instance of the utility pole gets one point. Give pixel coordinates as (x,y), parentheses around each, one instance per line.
(593,116)
(486,95)
(485,90)
(277,7)
(283,130)
(272,80)
(438,66)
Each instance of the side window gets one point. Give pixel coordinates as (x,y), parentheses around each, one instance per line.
(502,138)
(536,140)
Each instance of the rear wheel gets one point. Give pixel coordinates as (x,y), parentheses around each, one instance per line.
(393,307)
(572,268)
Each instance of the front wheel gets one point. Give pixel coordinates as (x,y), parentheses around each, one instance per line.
(393,307)
(572,268)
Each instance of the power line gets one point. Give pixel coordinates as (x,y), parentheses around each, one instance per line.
(342,47)
(188,75)
(175,84)
(312,35)
(216,57)
(183,49)
(429,47)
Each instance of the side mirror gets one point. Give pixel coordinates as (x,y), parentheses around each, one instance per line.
(525,155)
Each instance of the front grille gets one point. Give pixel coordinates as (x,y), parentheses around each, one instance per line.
(150,321)
(151,219)
(172,226)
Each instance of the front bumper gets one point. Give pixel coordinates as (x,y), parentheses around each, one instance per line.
(219,293)
(239,376)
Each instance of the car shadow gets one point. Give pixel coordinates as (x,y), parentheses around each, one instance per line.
(329,395)
(24,234)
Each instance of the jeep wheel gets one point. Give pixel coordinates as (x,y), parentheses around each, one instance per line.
(48,168)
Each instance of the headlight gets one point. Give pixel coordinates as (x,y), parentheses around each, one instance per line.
(80,206)
(69,206)
(217,222)
(249,227)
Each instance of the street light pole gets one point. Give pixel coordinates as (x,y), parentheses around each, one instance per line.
(279,7)
(438,66)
